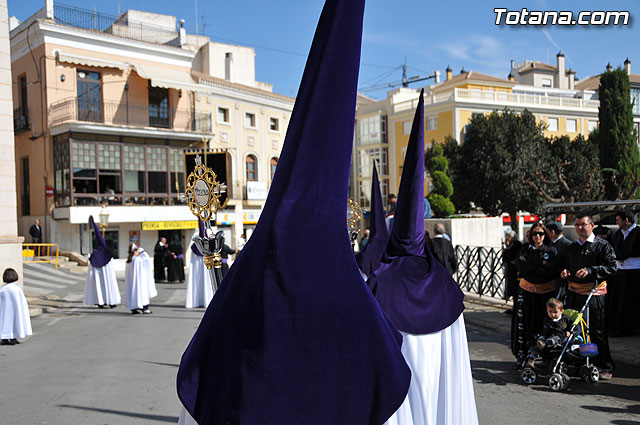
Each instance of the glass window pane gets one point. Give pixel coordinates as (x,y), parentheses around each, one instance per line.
(157,182)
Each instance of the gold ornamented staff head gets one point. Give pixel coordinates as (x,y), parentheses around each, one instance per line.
(354,215)
(203,191)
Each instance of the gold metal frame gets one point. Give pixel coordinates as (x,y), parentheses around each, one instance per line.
(352,223)
(201,173)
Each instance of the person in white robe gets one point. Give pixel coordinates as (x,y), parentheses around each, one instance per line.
(140,282)
(15,321)
(101,286)
(199,286)
(425,304)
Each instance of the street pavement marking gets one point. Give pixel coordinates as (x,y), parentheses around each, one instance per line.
(29,288)
(38,282)
(178,297)
(36,277)
(51,270)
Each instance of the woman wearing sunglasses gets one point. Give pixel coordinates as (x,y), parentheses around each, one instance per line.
(538,267)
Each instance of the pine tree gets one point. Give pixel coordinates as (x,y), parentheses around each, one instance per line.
(616,138)
(437,166)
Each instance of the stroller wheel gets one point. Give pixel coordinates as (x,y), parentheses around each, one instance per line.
(555,382)
(565,380)
(528,375)
(593,374)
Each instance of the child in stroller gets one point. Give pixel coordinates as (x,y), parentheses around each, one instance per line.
(564,347)
(556,328)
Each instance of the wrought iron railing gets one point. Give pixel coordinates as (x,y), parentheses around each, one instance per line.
(122,27)
(133,114)
(21,119)
(480,270)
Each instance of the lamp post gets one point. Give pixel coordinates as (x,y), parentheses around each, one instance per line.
(104,218)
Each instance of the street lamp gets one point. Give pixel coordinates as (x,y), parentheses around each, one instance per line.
(104,218)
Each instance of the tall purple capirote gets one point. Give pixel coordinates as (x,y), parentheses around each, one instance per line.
(101,254)
(203,233)
(293,336)
(414,289)
(369,257)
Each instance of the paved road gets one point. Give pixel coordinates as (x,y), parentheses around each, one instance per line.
(89,366)
(502,398)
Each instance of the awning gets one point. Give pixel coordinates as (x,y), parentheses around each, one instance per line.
(169,78)
(87,61)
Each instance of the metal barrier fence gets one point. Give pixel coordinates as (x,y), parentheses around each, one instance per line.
(40,253)
(480,270)
(120,26)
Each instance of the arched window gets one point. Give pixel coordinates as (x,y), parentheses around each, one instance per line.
(252,168)
(272,167)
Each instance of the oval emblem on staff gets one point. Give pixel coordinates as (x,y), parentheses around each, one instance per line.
(201,193)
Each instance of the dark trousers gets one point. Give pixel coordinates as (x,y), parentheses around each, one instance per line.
(597,326)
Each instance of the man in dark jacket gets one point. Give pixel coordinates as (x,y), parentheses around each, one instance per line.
(442,249)
(586,262)
(558,240)
(160,260)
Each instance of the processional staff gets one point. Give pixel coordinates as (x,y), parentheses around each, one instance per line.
(202,194)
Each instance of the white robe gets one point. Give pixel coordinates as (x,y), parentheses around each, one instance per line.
(199,287)
(185,418)
(441,388)
(141,285)
(15,321)
(101,286)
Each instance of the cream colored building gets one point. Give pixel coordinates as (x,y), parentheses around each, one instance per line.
(105,108)
(10,242)
(382,127)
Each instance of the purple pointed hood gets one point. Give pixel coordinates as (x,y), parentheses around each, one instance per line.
(369,257)
(194,248)
(414,289)
(101,255)
(293,336)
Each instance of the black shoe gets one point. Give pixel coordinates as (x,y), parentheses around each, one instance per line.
(4,342)
(146,311)
(136,311)
(113,305)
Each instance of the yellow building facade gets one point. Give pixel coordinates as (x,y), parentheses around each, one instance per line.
(449,107)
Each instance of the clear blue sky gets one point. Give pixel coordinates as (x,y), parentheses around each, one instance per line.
(429,34)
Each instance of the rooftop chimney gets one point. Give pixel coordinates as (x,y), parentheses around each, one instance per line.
(609,67)
(562,80)
(228,66)
(48,7)
(449,73)
(510,77)
(182,33)
(627,66)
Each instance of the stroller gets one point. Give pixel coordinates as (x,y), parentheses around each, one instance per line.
(572,357)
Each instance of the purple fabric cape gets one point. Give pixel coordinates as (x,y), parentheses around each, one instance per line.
(293,335)
(203,233)
(369,257)
(101,255)
(414,289)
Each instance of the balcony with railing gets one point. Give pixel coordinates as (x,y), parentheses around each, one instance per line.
(119,26)
(128,114)
(21,119)
(501,99)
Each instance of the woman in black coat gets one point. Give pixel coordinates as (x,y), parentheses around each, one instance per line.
(538,268)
